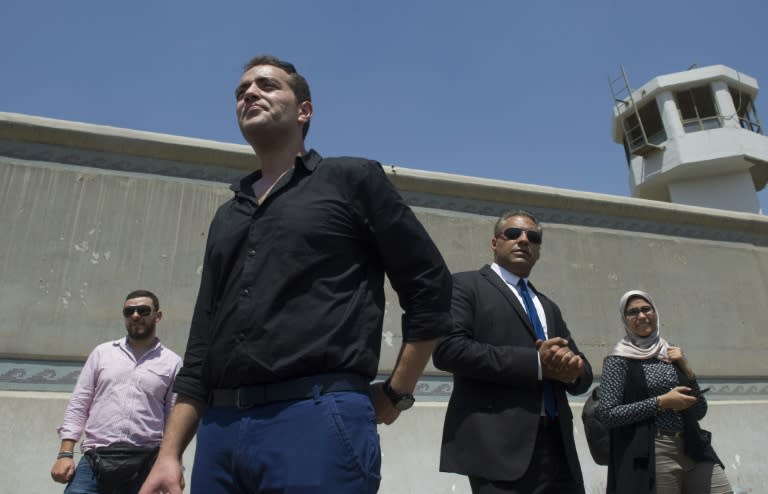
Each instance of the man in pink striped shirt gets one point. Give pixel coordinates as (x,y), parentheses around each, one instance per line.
(123,395)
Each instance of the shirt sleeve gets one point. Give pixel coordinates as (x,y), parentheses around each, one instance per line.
(462,353)
(170,395)
(611,410)
(79,406)
(411,260)
(189,380)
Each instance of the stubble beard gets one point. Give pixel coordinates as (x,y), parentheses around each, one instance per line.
(141,332)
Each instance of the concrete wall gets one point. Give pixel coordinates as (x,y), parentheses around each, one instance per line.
(89,213)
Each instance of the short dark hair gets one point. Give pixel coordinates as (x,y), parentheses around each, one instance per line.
(144,293)
(509,214)
(296,81)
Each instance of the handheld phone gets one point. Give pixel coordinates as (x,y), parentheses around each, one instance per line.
(701,392)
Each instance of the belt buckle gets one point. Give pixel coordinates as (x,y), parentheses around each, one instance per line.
(242,395)
(238,403)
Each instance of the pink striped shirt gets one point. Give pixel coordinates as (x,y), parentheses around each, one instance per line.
(120,399)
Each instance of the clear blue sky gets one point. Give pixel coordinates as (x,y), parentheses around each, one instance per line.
(514,90)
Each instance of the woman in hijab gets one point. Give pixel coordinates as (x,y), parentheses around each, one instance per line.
(650,399)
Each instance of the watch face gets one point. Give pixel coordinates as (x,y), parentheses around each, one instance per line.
(405,403)
(400,401)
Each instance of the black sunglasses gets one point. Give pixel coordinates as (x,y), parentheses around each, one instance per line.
(143,310)
(512,233)
(635,311)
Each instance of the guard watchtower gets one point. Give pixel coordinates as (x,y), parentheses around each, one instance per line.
(693,137)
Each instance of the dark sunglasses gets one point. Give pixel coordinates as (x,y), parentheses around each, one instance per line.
(143,310)
(534,237)
(635,311)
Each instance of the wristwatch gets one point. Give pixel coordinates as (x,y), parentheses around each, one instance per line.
(400,401)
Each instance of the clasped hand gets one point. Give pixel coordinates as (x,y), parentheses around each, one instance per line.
(558,361)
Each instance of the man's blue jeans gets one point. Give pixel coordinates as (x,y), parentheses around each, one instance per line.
(83,482)
(326,444)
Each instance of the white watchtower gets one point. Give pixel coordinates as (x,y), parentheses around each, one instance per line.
(693,137)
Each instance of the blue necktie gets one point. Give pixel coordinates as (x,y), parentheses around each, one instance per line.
(550,405)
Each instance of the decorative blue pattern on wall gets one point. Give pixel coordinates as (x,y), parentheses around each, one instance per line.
(43,375)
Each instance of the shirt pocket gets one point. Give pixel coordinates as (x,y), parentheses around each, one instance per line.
(154,379)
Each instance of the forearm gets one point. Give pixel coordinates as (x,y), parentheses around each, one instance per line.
(506,365)
(67,445)
(182,426)
(629,413)
(611,409)
(411,362)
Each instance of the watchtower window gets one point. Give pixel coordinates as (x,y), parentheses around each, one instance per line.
(745,109)
(697,109)
(649,129)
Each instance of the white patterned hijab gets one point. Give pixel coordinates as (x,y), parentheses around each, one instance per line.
(640,347)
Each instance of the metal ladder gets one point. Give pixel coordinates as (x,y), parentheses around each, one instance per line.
(637,142)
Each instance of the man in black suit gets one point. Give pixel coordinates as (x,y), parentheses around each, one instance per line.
(508,425)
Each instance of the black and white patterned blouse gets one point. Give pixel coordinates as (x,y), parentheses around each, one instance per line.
(660,378)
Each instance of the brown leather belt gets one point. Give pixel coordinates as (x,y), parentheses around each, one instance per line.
(300,388)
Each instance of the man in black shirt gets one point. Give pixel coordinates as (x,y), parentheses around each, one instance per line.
(286,333)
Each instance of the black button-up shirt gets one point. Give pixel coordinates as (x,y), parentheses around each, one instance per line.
(295,286)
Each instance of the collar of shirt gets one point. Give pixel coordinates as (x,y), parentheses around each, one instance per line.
(512,280)
(126,347)
(308,162)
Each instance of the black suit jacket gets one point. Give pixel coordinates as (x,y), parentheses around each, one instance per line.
(493,413)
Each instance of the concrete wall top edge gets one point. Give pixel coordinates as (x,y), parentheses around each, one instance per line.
(473,188)
(26,128)
(75,135)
